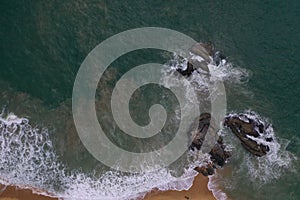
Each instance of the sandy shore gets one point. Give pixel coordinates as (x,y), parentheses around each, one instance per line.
(15,193)
(198,191)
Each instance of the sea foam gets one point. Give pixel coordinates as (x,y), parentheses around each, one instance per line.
(276,161)
(28,160)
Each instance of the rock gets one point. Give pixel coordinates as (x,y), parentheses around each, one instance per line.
(218,153)
(198,65)
(188,71)
(207,52)
(256,149)
(201,170)
(200,50)
(269,139)
(206,170)
(210,169)
(210,47)
(199,130)
(218,57)
(245,128)
(193,65)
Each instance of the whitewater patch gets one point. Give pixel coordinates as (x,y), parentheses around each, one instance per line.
(213,185)
(28,157)
(27,154)
(276,161)
(28,160)
(203,81)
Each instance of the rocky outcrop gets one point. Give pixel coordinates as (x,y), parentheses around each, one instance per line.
(199,130)
(247,130)
(218,154)
(218,57)
(207,170)
(188,71)
(204,50)
(207,54)
(200,66)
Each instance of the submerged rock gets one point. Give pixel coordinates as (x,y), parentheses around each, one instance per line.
(247,129)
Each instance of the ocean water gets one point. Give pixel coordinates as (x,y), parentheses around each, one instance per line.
(44,43)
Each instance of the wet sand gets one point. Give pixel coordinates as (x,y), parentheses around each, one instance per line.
(198,191)
(15,193)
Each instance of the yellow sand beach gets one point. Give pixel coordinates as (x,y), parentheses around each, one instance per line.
(198,191)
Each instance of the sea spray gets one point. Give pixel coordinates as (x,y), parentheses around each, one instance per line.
(276,161)
(28,157)
(29,160)
(214,187)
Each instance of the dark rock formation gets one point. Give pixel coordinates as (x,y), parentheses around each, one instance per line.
(201,49)
(209,169)
(218,154)
(201,170)
(199,65)
(218,57)
(244,128)
(188,71)
(210,47)
(207,52)
(198,133)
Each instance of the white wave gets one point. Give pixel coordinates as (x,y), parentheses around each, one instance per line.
(225,71)
(276,161)
(113,185)
(204,83)
(28,157)
(28,160)
(26,153)
(213,186)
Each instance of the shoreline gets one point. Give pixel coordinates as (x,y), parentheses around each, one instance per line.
(198,191)
(9,192)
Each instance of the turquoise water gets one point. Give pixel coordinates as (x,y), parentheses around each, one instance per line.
(44,43)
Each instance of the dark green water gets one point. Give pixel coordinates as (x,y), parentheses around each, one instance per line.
(44,43)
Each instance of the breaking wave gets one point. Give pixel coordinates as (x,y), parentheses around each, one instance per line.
(28,157)
(276,161)
(28,160)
